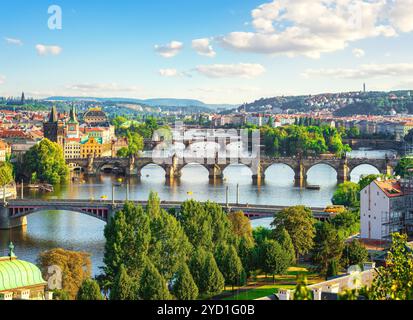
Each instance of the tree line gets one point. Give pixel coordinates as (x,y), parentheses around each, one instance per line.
(303,140)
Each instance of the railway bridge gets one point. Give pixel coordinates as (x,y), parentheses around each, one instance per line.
(13,213)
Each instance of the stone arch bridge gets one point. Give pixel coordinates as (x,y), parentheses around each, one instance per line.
(173,167)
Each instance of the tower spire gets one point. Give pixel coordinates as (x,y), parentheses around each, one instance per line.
(53,115)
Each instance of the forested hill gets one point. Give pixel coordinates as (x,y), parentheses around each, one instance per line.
(341,104)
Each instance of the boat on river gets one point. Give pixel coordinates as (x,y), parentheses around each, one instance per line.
(313,187)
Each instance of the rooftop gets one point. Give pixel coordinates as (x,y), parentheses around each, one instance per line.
(391,187)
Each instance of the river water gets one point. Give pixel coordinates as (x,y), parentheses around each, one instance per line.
(73,231)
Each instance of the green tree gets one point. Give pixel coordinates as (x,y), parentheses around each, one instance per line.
(241,226)
(299,223)
(89,290)
(395,281)
(283,238)
(402,168)
(261,234)
(230,265)
(197,224)
(185,287)
(124,287)
(169,245)
(47,161)
(347,223)
(152,285)
(354,253)
(366,180)
(328,246)
(212,281)
(220,223)
(206,273)
(6,173)
(332,269)
(301,291)
(347,194)
(276,260)
(135,145)
(128,238)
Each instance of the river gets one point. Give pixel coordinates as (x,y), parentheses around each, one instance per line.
(73,231)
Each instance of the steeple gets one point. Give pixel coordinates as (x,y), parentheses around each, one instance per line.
(73,118)
(53,115)
(11,251)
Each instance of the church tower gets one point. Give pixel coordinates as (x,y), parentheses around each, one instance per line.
(50,127)
(73,125)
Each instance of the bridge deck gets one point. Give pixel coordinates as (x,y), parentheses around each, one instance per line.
(253,211)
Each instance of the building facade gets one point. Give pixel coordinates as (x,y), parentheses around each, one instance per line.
(385,208)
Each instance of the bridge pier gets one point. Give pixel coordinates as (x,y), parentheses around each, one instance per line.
(6,222)
(343,172)
(300,175)
(215,173)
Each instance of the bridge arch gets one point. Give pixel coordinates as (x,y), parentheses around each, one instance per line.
(242,171)
(111,167)
(273,170)
(102,214)
(356,173)
(142,170)
(194,166)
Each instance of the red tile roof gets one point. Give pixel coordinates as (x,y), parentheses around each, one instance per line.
(391,188)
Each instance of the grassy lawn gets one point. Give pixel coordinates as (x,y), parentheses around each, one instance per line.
(266,286)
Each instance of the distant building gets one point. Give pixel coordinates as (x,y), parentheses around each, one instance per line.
(21,280)
(94,147)
(72,148)
(402,129)
(5,150)
(95,117)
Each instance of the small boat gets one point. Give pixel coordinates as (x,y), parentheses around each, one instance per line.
(189,193)
(33,186)
(313,187)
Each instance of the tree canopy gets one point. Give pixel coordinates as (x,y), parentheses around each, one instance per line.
(47,162)
(299,223)
(75,268)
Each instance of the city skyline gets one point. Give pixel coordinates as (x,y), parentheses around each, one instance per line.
(213,51)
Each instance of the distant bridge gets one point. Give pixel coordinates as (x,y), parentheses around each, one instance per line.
(13,212)
(173,166)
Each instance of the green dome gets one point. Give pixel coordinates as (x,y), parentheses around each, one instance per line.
(18,274)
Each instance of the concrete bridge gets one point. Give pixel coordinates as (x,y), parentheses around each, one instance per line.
(13,213)
(173,167)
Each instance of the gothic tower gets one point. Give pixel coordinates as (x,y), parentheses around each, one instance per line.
(50,128)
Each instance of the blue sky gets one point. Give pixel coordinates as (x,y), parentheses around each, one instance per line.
(227,51)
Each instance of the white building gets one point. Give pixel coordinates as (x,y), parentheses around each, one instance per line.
(383,210)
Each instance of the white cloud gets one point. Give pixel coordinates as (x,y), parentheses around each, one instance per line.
(16,42)
(401,15)
(203,47)
(2,79)
(364,71)
(311,28)
(44,50)
(243,70)
(359,53)
(168,72)
(169,50)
